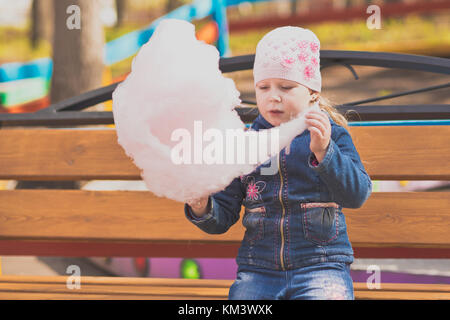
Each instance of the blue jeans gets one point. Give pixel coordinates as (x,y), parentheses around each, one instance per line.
(322,281)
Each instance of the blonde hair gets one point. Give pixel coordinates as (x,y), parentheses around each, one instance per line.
(326,105)
(340,119)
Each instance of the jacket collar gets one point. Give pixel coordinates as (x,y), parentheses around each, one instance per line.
(261,123)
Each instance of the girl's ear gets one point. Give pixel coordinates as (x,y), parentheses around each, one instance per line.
(314,97)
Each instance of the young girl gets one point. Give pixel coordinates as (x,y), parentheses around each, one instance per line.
(296,244)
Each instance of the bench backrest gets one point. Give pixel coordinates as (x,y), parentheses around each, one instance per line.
(137,223)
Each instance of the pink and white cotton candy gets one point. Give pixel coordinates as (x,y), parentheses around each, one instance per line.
(175,80)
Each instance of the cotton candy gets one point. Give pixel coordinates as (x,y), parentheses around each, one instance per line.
(174,81)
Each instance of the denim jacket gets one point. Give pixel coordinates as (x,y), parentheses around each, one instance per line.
(281,232)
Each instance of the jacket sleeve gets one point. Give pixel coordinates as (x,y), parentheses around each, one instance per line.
(342,171)
(224,209)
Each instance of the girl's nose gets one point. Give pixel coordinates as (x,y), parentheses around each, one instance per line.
(276,98)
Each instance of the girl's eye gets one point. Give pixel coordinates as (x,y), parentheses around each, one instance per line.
(286,88)
(262,88)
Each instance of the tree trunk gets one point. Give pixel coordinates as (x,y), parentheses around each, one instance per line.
(41,21)
(77,63)
(78,52)
(293,7)
(172,4)
(121,9)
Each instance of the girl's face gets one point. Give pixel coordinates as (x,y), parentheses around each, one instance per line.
(280,100)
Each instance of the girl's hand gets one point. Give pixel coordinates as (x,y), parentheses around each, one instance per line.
(199,206)
(320,130)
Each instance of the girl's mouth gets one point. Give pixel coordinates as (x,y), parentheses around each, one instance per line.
(275,112)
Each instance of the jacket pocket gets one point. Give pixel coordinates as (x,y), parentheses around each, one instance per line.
(253,221)
(320,224)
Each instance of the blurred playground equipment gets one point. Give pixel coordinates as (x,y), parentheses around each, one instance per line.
(24,86)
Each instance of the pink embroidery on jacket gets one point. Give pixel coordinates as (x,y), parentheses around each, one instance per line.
(254,189)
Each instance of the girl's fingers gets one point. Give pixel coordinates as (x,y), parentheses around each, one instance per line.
(197,203)
(315,131)
(322,118)
(317,124)
(319,116)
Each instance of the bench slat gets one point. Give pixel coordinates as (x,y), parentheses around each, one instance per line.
(185,250)
(71,296)
(113,290)
(53,154)
(56,154)
(54,287)
(12,287)
(140,217)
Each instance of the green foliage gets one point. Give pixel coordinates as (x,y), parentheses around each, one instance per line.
(15,46)
(354,35)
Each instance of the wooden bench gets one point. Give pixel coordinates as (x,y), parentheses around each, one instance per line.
(81,223)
